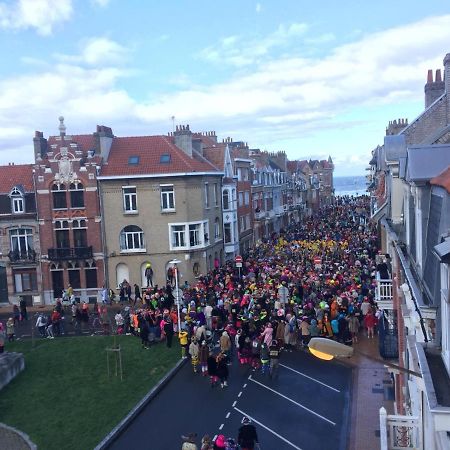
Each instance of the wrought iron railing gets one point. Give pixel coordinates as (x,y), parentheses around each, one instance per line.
(70,253)
(23,256)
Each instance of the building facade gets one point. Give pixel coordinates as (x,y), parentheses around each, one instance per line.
(20,274)
(68,208)
(161,203)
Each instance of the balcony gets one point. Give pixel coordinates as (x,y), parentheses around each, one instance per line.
(383,294)
(69,253)
(22,257)
(399,432)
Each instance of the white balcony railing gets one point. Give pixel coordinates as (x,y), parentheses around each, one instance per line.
(383,294)
(399,432)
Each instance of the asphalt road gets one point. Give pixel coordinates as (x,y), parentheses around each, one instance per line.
(306,407)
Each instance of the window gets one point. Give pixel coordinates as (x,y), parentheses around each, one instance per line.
(239,174)
(247,222)
(74,275)
(165,158)
(216,195)
(80,237)
(167,198)
(21,240)
(17,201)
(91,275)
(241,198)
(227,232)
(76,195)
(217,228)
(133,160)
(226,199)
(25,281)
(242,224)
(247,197)
(206,195)
(129,199)
(246,176)
(132,239)
(178,235)
(59,196)
(194,234)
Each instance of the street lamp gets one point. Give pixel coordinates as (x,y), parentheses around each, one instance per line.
(175,263)
(328,349)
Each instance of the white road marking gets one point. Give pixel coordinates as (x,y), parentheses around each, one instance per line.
(221,426)
(293,401)
(245,385)
(310,378)
(215,437)
(234,404)
(228,415)
(240,393)
(268,429)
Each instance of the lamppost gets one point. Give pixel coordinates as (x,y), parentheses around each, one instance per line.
(328,349)
(175,263)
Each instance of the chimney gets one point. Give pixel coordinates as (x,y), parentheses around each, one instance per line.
(433,88)
(447,78)
(103,140)
(40,145)
(396,126)
(183,139)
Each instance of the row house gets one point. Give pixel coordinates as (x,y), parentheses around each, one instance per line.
(410,203)
(161,205)
(20,275)
(296,191)
(68,211)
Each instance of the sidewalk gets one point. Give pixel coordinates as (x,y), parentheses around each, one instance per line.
(372,389)
(13,439)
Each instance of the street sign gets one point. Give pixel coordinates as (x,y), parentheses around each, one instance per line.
(238,261)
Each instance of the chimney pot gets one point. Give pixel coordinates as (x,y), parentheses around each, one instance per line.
(438,76)
(430,76)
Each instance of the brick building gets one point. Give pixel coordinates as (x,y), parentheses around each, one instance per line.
(68,206)
(20,275)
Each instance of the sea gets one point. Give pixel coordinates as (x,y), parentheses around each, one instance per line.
(355,185)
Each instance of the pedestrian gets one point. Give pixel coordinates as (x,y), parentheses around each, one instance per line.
(10,333)
(16,315)
(189,442)
(265,358)
(212,370)
(203,355)
(353,327)
(105,295)
(207,443)
(168,329)
(119,322)
(274,355)
(220,443)
(183,336)
(23,309)
(149,274)
(247,436)
(225,344)
(369,322)
(194,352)
(222,369)
(137,294)
(41,323)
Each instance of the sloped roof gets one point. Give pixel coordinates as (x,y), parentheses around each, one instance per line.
(443,179)
(149,150)
(215,155)
(426,162)
(13,175)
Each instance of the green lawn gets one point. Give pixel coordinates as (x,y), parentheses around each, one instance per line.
(64,398)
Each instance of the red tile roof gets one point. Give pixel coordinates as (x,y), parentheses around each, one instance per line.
(216,155)
(14,175)
(149,150)
(443,179)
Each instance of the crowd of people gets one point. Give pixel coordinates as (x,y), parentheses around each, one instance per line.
(313,278)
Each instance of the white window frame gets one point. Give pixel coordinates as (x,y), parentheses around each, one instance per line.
(168,197)
(241,198)
(17,201)
(129,196)
(217,228)
(139,235)
(206,188)
(246,198)
(216,194)
(184,234)
(23,238)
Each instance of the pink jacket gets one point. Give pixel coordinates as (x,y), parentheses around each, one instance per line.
(267,335)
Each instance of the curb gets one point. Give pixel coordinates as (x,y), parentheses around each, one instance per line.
(123,424)
(21,434)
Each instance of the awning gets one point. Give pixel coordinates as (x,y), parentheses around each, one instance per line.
(442,251)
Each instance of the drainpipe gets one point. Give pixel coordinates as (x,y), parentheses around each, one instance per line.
(105,251)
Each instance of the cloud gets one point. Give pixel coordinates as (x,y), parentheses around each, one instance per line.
(277,103)
(241,51)
(41,15)
(97,51)
(101,3)
(258,8)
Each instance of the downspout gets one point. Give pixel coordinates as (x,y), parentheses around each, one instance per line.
(39,235)
(102,228)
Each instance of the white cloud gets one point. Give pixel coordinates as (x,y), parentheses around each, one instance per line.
(241,51)
(279,102)
(258,8)
(42,15)
(101,3)
(98,51)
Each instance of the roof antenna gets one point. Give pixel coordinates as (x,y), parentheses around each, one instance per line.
(62,127)
(173,124)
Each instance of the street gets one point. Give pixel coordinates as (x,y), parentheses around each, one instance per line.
(306,407)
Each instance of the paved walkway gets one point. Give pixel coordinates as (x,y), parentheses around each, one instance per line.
(12,439)
(372,389)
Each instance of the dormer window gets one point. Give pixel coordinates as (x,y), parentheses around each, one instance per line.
(17,201)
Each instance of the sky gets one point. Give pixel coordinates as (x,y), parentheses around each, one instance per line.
(310,78)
